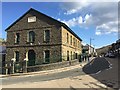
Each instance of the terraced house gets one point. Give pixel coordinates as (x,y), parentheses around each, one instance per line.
(40,39)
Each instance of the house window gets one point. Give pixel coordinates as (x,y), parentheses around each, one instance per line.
(47,56)
(67,38)
(17,38)
(17,56)
(71,40)
(76,43)
(47,35)
(31,37)
(75,55)
(67,55)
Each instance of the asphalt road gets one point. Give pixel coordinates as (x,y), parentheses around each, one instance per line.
(104,70)
(39,78)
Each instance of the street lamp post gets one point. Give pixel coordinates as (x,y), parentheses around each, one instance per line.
(90,44)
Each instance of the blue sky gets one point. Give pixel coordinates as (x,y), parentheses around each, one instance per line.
(87,20)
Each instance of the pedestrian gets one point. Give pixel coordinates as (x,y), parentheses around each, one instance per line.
(88,59)
(85,58)
(81,58)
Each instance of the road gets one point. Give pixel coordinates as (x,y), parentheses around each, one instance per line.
(105,70)
(39,78)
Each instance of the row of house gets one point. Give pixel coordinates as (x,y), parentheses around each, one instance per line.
(89,50)
(2,53)
(115,48)
(39,39)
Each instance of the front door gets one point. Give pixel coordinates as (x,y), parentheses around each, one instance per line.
(31,58)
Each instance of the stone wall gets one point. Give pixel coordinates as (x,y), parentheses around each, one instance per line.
(23,27)
(74,47)
(55,51)
(52,66)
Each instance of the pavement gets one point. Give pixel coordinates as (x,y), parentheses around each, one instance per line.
(46,71)
(49,71)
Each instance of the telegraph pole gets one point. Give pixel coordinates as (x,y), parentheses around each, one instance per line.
(90,44)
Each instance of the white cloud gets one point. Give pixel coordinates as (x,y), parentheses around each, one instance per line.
(73,7)
(83,43)
(98,33)
(102,15)
(79,21)
(108,28)
(74,21)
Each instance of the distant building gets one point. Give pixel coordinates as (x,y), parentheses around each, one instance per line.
(116,48)
(89,50)
(2,53)
(40,39)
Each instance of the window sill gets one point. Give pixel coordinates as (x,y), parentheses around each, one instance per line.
(16,43)
(29,42)
(46,41)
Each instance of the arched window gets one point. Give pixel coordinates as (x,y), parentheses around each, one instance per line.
(31,36)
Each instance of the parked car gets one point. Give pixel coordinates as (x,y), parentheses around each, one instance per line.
(111,55)
(107,55)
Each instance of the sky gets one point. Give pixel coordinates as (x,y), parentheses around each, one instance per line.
(96,20)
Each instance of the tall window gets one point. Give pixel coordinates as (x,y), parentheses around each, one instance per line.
(31,36)
(17,56)
(17,38)
(76,43)
(47,35)
(47,56)
(71,40)
(67,55)
(67,38)
(75,55)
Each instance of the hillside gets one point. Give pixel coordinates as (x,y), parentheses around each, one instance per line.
(103,49)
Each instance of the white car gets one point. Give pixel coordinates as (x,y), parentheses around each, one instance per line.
(111,55)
